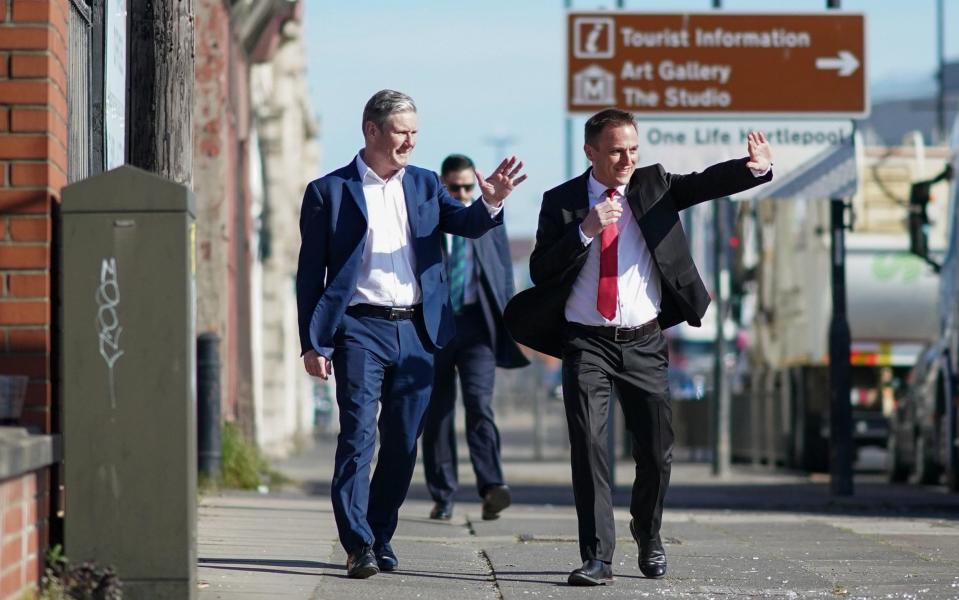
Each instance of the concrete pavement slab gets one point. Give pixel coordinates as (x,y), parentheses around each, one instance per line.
(427,570)
(259,547)
(758,534)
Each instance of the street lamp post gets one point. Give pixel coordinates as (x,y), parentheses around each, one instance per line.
(840,434)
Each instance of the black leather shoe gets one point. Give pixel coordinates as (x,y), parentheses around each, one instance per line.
(361,563)
(495,499)
(652,556)
(385,557)
(442,511)
(593,572)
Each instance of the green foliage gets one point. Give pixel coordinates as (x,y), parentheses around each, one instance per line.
(242,464)
(85,581)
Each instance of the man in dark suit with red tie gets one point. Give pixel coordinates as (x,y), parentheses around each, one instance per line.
(611,270)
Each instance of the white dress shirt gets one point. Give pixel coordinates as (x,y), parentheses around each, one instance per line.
(638,282)
(388,270)
(638,286)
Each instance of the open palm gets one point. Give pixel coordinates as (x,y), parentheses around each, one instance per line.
(501,182)
(760,152)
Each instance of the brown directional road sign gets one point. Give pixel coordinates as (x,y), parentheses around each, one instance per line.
(718,64)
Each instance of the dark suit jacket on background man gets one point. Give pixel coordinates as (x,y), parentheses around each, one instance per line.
(495,266)
(482,344)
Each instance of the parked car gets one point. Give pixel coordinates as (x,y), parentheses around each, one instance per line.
(918,441)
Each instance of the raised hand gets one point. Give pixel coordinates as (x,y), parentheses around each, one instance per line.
(498,186)
(760,152)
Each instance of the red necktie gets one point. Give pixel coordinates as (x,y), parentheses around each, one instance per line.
(608,267)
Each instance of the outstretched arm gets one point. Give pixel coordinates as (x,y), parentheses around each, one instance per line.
(725,178)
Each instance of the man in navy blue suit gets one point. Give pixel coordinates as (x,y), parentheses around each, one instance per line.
(481,283)
(374,305)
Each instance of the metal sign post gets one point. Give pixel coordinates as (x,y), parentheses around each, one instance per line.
(841,448)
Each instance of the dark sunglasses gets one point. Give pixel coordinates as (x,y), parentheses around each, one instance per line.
(455,187)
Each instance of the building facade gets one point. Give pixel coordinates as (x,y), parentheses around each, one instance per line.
(63,97)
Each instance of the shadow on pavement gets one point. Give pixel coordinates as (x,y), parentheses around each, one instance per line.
(257,565)
(871,498)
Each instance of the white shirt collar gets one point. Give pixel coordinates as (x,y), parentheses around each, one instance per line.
(598,190)
(367,172)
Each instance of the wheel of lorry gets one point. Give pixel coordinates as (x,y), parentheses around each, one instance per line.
(897,469)
(815,446)
(793,403)
(952,478)
(927,469)
(951,466)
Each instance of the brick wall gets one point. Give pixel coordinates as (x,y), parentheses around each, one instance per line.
(33,167)
(23,532)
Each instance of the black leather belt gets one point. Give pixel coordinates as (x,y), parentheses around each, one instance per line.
(392,313)
(621,334)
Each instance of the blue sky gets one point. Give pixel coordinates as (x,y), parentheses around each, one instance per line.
(495,68)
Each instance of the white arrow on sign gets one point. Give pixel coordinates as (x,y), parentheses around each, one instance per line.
(845,63)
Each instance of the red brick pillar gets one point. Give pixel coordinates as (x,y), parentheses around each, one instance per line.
(33,167)
(24,503)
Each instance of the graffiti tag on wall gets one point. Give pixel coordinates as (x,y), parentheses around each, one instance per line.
(108,321)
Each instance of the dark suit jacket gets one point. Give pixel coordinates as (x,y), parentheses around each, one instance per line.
(333,225)
(536,317)
(496,287)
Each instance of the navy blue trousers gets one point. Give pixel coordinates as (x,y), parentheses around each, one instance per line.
(384,366)
(471,355)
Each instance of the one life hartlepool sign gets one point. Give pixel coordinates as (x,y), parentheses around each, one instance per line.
(814,159)
(718,64)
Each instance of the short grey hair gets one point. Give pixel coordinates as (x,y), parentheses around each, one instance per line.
(385,103)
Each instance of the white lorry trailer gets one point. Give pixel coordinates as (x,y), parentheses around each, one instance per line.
(891,300)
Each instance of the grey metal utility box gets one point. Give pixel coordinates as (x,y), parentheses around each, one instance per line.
(127,273)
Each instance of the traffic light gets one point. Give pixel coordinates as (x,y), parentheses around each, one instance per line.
(919,219)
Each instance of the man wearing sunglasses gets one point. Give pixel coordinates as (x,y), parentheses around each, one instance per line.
(480,274)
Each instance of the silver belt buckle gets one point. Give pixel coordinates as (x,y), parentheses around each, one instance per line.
(616,332)
(398,314)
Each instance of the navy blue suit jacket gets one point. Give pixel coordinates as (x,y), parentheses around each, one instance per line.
(333,227)
(496,287)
